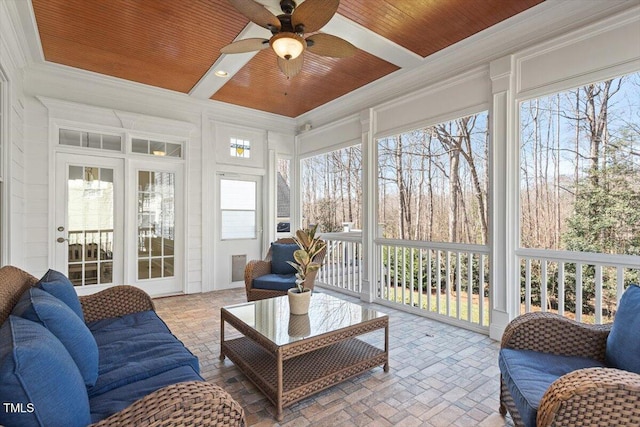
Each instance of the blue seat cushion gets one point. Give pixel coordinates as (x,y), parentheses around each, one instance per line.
(59,285)
(40,306)
(39,377)
(280,254)
(623,342)
(135,347)
(528,374)
(275,282)
(112,401)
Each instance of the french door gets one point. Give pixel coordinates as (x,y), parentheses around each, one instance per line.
(156,227)
(118,222)
(89,206)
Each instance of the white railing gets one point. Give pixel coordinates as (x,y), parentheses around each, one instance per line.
(442,280)
(584,286)
(342,267)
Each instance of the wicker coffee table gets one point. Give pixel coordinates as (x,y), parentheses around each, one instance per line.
(291,357)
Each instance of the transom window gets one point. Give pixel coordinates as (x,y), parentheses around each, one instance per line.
(100,141)
(240,148)
(156,148)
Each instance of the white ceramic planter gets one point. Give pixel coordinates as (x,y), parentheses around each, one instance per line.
(299,302)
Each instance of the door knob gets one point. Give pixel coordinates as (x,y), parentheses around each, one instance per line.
(61,240)
(61,228)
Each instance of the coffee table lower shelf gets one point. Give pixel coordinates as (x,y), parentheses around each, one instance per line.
(305,374)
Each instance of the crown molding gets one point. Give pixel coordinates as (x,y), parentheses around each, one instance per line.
(89,88)
(12,46)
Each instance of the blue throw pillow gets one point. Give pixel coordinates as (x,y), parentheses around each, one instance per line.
(39,306)
(280,254)
(623,342)
(39,382)
(59,285)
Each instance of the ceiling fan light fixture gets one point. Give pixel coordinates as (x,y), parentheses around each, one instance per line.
(288,45)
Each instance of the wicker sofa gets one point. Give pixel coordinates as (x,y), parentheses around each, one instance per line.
(138,374)
(558,372)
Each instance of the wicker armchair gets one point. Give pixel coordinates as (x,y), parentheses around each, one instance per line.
(194,403)
(587,397)
(257,268)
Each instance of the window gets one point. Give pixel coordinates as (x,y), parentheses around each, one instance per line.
(579,191)
(332,189)
(580,168)
(94,140)
(238,209)
(433,182)
(283,196)
(240,148)
(156,148)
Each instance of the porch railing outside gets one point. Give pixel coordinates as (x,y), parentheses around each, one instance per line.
(450,281)
(342,268)
(583,286)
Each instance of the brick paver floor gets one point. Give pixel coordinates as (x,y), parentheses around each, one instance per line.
(440,375)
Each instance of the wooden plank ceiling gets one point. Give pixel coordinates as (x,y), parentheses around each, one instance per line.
(172,44)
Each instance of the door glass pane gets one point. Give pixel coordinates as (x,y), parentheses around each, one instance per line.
(90,215)
(156,224)
(238,209)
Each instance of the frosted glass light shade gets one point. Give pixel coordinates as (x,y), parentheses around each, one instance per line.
(288,45)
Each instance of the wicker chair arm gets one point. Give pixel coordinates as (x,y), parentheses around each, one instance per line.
(551,333)
(255,268)
(193,403)
(114,302)
(593,397)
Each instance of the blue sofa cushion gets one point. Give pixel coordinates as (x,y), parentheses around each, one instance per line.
(623,342)
(107,404)
(39,306)
(280,254)
(59,285)
(135,347)
(39,377)
(275,282)
(528,374)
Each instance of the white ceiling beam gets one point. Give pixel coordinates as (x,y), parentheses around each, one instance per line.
(210,83)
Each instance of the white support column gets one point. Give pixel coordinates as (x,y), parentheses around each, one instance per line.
(369,196)
(504,227)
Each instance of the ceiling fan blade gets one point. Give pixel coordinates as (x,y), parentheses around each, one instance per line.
(314,14)
(291,67)
(257,13)
(328,45)
(246,45)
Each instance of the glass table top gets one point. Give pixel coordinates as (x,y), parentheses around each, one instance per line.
(271,317)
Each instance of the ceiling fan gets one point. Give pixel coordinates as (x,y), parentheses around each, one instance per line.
(288,30)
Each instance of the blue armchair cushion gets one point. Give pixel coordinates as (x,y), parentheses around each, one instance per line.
(623,342)
(275,282)
(38,375)
(528,374)
(59,285)
(41,307)
(280,254)
(135,347)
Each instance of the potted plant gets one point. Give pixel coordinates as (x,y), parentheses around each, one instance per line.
(310,245)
